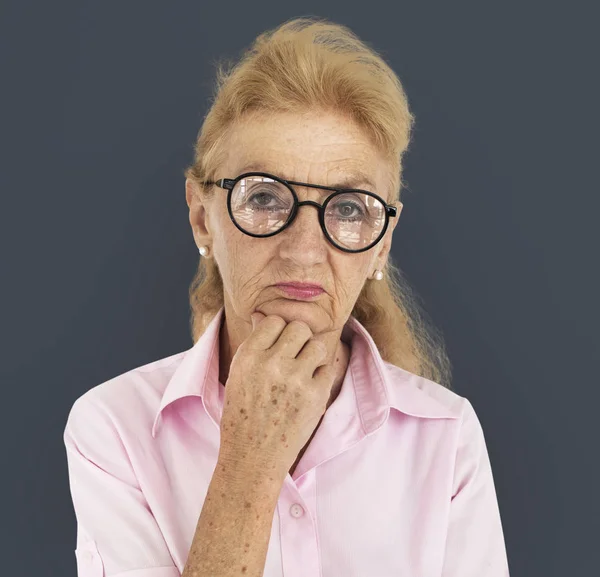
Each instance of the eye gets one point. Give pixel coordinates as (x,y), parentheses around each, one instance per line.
(264,200)
(348,210)
(261,198)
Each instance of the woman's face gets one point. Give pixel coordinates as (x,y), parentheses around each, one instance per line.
(316,148)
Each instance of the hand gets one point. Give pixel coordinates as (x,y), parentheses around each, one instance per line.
(275,395)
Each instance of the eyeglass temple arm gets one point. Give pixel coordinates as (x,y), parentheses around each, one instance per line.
(226,183)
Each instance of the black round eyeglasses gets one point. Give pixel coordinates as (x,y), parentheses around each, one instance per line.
(262,205)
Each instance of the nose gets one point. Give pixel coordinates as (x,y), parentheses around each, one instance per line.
(306,223)
(304,239)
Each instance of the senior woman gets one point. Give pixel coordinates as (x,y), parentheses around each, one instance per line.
(311,429)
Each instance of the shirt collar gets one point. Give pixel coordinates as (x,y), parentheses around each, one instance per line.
(378,385)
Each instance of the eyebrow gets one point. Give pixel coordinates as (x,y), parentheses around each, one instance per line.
(351,179)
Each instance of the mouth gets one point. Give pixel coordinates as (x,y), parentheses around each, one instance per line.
(300,290)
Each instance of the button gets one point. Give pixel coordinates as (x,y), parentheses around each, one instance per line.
(88,557)
(296,510)
(89,562)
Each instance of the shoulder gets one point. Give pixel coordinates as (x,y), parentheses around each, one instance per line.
(130,397)
(441,399)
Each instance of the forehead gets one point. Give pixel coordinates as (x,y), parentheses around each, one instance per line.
(319,148)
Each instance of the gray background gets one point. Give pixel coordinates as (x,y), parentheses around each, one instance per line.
(100,105)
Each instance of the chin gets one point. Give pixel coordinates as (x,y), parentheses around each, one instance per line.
(290,309)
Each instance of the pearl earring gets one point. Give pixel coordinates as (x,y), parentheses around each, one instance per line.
(203,250)
(378,275)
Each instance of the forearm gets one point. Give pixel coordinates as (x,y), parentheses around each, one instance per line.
(234,527)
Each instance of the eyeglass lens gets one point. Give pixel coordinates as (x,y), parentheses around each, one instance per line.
(261,206)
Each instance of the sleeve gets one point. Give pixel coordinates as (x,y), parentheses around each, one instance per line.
(117,534)
(475,541)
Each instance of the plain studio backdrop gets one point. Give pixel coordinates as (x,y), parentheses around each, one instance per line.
(101,103)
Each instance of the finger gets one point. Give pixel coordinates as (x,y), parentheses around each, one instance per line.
(293,337)
(256,317)
(325,374)
(266,331)
(314,353)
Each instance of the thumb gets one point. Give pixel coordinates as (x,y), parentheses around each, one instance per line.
(256,317)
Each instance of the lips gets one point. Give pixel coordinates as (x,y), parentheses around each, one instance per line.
(295,292)
(300,285)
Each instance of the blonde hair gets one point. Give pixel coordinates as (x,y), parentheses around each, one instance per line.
(306,64)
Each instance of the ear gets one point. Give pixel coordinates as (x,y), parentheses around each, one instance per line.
(190,192)
(199,215)
(386,242)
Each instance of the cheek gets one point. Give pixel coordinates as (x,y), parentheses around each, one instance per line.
(247,261)
(352,272)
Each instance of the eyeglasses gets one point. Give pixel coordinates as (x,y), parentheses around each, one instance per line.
(262,205)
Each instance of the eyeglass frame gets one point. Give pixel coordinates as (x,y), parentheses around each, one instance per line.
(229,184)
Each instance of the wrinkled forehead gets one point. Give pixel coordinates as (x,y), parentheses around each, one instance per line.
(340,177)
(320,149)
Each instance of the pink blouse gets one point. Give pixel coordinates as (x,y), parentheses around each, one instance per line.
(396,482)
